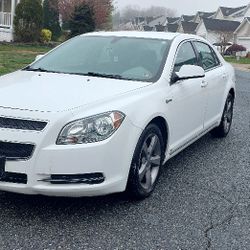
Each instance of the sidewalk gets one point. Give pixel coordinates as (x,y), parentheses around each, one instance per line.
(242,67)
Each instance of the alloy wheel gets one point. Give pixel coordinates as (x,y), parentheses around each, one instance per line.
(150,161)
(228,115)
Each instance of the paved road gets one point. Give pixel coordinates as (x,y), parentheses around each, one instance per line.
(201,202)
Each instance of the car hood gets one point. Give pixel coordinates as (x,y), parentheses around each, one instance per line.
(51,92)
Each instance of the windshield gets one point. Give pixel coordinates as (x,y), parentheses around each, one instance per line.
(128,58)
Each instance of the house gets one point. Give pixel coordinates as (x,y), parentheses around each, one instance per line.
(187,27)
(242,33)
(161,20)
(171,27)
(216,30)
(160,28)
(233,14)
(140,22)
(186,18)
(7,12)
(172,20)
(201,14)
(128,25)
(147,28)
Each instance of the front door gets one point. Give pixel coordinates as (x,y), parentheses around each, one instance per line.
(185,113)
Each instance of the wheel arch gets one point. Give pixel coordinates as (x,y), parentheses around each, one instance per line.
(163,126)
(232,92)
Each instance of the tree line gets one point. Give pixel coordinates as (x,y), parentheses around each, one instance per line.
(130,12)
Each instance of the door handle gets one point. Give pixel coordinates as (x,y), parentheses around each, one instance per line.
(204,84)
(224,76)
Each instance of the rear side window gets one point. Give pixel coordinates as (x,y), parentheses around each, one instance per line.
(185,56)
(207,56)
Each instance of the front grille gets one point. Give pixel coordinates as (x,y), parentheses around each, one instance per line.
(12,123)
(14,178)
(91,178)
(13,151)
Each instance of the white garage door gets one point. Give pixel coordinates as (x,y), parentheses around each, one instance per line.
(245,41)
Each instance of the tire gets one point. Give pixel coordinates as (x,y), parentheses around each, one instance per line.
(146,163)
(226,121)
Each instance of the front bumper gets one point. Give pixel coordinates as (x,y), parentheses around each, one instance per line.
(111,157)
(66,190)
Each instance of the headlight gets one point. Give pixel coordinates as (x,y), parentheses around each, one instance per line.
(91,129)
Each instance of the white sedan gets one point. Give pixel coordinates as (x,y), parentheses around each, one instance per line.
(103,112)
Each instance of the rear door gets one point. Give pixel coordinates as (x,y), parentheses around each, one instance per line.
(215,85)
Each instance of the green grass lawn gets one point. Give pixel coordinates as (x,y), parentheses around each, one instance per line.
(234,60)
(13,57)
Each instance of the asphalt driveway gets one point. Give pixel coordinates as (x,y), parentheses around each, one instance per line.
(202,201)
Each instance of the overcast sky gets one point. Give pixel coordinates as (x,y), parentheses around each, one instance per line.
(184,6)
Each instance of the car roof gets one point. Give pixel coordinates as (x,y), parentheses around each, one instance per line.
(147,34)
(137,34)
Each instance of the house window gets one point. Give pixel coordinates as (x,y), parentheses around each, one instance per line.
(5,6)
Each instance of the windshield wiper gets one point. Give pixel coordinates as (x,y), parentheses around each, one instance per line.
(104,75)
(39,70)
(95,74)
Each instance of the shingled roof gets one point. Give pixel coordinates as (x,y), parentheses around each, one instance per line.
(220,25)
(205,14)
(230,11)
(172,27)
(187,18)
(246,20)
(159,20)
(172,19)
(160,27)
(189,27)
(147,28)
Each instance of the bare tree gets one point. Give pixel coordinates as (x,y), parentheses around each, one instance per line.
(159,11)
(225,39)
(116,20)
(132,11)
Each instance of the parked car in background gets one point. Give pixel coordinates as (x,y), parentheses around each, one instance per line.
(103,112)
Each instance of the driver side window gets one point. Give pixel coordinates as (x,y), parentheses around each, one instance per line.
(185,56)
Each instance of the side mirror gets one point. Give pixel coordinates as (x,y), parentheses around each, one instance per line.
(188,72)
(38,57)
